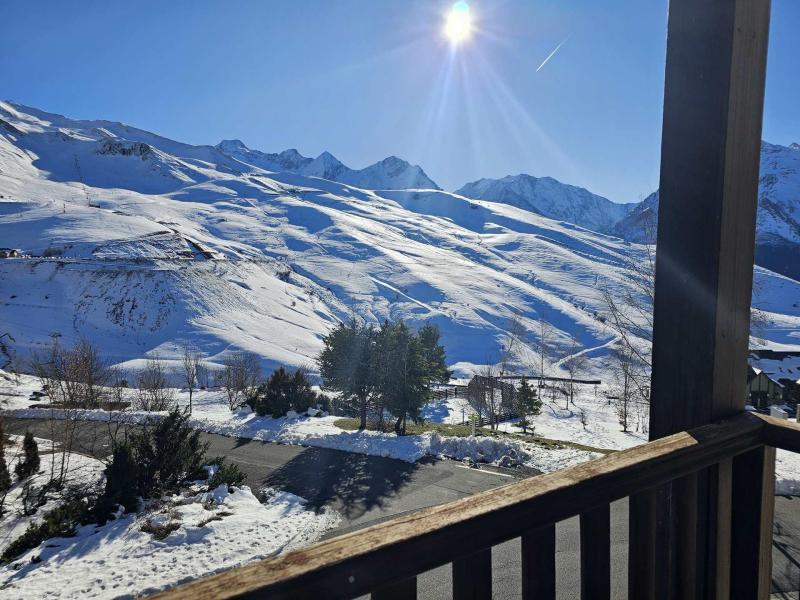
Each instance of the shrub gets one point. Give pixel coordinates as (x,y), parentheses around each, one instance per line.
(158,459)
(283,392)
(121,480)
(166,454)
(59,522)
(5,476)
(30,462)
(228,474)
(159,531)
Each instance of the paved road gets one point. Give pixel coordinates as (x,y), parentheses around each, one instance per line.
(365,490)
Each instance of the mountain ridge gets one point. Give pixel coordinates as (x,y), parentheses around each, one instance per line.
(550,198)
(142,244)
(389,173)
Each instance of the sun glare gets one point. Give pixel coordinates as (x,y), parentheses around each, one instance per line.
(458,23)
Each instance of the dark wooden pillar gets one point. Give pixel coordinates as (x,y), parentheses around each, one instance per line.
(713,101)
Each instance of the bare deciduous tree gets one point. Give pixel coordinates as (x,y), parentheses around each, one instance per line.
(152,387)
(512,345)
(73,378)
(543,346)
(624,386)
(240,375)
(190,369)
(574,363)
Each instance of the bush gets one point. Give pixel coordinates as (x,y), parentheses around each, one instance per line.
(157,459)
(30,463)
(229,475)
(121,480)
(5,476)
(167,454)
(283,392)
(59,522)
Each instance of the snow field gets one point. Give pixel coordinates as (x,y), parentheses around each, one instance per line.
(213,531)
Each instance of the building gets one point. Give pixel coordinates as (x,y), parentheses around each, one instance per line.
(762,390)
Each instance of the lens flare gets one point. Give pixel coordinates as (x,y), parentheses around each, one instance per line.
(458,23)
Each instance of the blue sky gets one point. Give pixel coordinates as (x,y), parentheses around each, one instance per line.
(367,79)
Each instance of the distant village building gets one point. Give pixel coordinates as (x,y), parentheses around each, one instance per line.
(762,390)
(773,378)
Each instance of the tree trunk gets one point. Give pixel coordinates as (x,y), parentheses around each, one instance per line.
(362,402)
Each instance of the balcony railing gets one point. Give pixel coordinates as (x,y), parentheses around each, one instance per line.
(385,559)
(701,500)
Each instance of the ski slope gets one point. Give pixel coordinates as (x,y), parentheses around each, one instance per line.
(141,244)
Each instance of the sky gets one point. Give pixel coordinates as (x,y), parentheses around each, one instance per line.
(365,79)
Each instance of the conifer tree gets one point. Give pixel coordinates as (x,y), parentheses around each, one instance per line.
(433,355)
(345,365)
(527,403)
(403,383)
(121,483)
(5,476)
(30,462)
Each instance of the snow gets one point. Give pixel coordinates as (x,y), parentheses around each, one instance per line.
(82,472)
(152,243)
(778,219)
(212,415)
(551,198)
(387,174)
(216,530)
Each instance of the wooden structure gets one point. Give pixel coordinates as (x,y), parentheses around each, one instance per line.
(762,390)
(701,492)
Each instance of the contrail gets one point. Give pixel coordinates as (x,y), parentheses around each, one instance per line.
(549,56)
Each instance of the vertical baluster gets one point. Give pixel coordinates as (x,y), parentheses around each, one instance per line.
(402,590)
(641,544)
(596,553)
(539,563)
(751,531)
(472,576)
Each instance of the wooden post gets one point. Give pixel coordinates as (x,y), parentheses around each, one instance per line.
(713,102)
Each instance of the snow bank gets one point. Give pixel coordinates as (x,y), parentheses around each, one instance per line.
(321,432)
(216,530)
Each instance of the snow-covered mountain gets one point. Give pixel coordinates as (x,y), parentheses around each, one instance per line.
(142,243)
(550,198)
(640,224)
(391,173)
(778,224)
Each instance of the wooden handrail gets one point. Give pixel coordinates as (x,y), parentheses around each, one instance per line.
(361,561)
(780,433)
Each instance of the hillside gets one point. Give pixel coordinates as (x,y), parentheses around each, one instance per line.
(550,198)
(142,243)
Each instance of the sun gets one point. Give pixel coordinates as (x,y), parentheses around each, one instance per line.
(458,23)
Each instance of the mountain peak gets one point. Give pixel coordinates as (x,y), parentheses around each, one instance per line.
(327,157)
(550,198)
(232,145)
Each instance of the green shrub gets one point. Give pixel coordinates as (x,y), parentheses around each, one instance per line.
(5,476)
(157,459)
(284,391)
(121,479)
(59,522)
(228,474)
(30,462)
(166,454)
